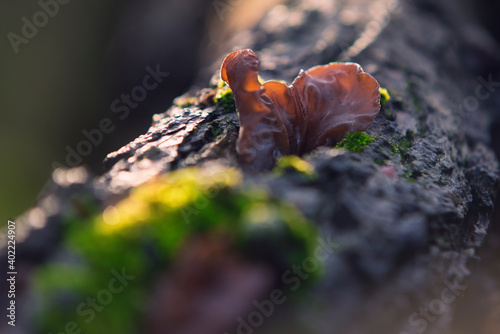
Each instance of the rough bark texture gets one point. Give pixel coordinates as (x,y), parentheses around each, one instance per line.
(409,212)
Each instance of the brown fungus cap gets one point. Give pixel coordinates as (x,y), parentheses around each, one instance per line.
(320,107)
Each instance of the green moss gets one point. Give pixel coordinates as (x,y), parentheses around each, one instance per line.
(295,164)
(224,98)
(414,96)
(384,96)
(410,176)
(216,129)
(356,141)
(143,233)
(401,146)
(221,83)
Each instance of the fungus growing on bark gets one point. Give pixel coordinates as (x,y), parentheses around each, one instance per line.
(320,107)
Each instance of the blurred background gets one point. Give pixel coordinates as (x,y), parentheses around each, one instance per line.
(64,78)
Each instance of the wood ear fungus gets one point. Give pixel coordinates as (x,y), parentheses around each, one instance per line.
(320,107)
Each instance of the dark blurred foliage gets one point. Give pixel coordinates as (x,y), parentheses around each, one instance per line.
(156,34)
(65,78)
(91,52)
(488,11)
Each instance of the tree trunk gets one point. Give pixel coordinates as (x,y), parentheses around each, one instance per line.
(408,213)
